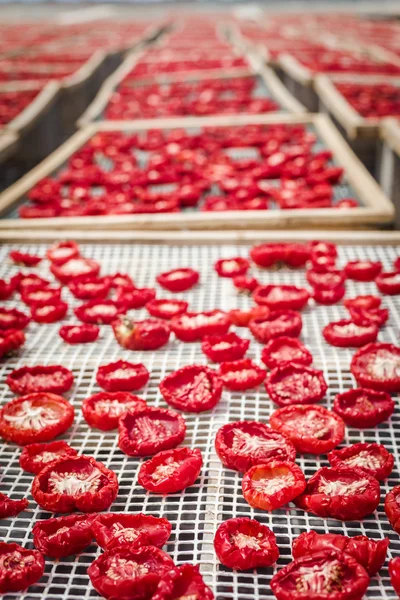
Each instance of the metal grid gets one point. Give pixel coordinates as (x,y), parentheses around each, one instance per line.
(195,513)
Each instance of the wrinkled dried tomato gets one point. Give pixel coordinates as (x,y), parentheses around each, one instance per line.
(119,529)
(34,457)
(49,313)
(345,333)
(282,350)
(99,312)
(276,324)
(388,283)
(73,268)
(50,378)
(377,366)
(370,457)
(171,471)
(183,582)
(242,318)
(10,340)
(23,258)
(392,507)
(193,388)
(88,287)
(149,334)
(362,408)
(178,280)
(191,327)
(166,309)
(11,508)
(221,348)
(122,376)
(241,374)
(63,536)
(62,252)
(79,334)
(103,410)
(394,572)
(20,567)
(11,318)
(231,267)
(362,270)
(134,298)
(295,384)
(273,484)
(281,297)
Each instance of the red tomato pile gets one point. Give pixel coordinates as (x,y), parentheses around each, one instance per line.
(156,66)
(13,103)
(328,61)
(372,101)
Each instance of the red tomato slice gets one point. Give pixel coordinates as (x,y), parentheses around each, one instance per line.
(104,410)
(62,252)
(282,350)
(245,543)
(120,529)
(242,444)
(28,282)
(394,572)
(120,280)
(345,334)
(231,267)
(74,267)
(79,334)
(11,318)
(191,326)
(178,280)
(7,289)
(370,457)
(266,255)
(362,270)
(183,582)
(273,484)
(149,334)
(88,288)
(49,313)
(63,536)
(370,554)
(328,296)
(281,297)
(388,283)
(347,203)
(193,388)
(221,348)
(323,248)
(329,574)
(10,340)
(122,376)
(34,457)
(278,323)
(367,316)
(23,258)
(295,384)
(134,298)
(392,507)
(242,318)
(377,366)
(75,483)
(19,567)
(171,471)
(101,312)
(328,280)
(245,284)
(347,494)
(11,508)
(362,408)
(311,429)
(166,309)
(146,432)
(51,378)
(366,302)
(241,374)
(41,297)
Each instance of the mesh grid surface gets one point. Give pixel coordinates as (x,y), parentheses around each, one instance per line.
(216,496)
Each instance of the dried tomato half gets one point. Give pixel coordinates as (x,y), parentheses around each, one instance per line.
(34,457)
(178,280)
(7,288)
(362,408)
(328,296)
(242,444)
(372,458)
(311,429)
(23,258)
(148,431)
(36,417)
(394,572)
(192,326)
(49,313)
(41,297)
(272,484)
(329,574)
(388,283)
(295,384)
(346,333)
(242,318)
(245,284)
(120,529)
(88,287)
(166,309)
(367,316)
(171,471)
(241,374)
(221,348)
(377,366)
(122,376)
(51,378)
(63,536)
(73,268)
(392,507)
(369,553)
(183,582)
(75,483)
(278,323)
(62,252)
(193,388)
(327,280)
(11,318)
(244,543)
(103,410)
(282,350)
(11,508)
(102,312)
(149,334)
(231,267)
(79,334)
(347,494)
(10,340)
(362,270)
(125,572)
(28,282)
(133,298)
(19,567)
(281,297)
(366,302)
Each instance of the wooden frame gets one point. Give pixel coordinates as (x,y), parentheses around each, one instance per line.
(377,209)
(8,144)
(23,122)
(389,166)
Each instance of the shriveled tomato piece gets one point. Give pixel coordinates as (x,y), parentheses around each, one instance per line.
(191,326)
(11,508)
(103,410)
(242,444)
(41,297)
(231,267)
(28,282)
(149,334)
(377,366)
(171,471)
(372,458)
(392,507)
(330,574)
(63,536)
(34,457)
(178,280)
(221,348)
(193,388)
(323,248)
(367,302)
(10,340)
(282,350)
(241,374)
(133,298)
(99,312)
(245,284)
(345,333)
(183,582)
(311,429)
(273,484)
(88,287)
(347,203)
(19,567)
(394,572)
(328,279)
(24,258)
(11,318)
(7,289)
(79,334)
(362,408)
(51,378)
(148,431)
(278,323)
(75,483)
(388,283)
(166,309)
(367,316)
(369,553)
(362,270)
(347,494)
(267,255)
(122,376)
(120,280)
(281,297)
(74,267)
(49,313)
(120,529)
(328,296)
(242,318)
(295,384)
(62,252)
(244,543)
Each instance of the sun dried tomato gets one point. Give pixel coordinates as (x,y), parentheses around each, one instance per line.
(243,444)
(363,302)
(241,374)
(347,203)
(166,309)
(242,318)
(377,366)
(323,248)
(329,574)
(245,284)
(278,323)
(329,296)
(267,255)
(41,297)
(367,316)
(191,326)
(281,297)
(11,508)
(372,458)
(49,313)
(193,388)
(362,270)
(392,507)
(327,280)
(7,288)
(134,298)
(10,340)
(24,282)
(23,258)
(312,429)
(244,543)
(148,431)
(73,268)
(273,484)
(295,384)
(394,572)
(62,252)
(183,582)
(149,334)
(231,267)
(282,350)
(125,572)
(221,348)
(119,529)
(345,333)
(51,378)
(75,483)
(34,457)
(19,567)
(388,283)
(79,334)
(171,471)
(122,376)
(11,318)
(88,287)
(120,280)
(362,408)
(178,280)
(322,262)
(99,311)
(63,536)
(103,410)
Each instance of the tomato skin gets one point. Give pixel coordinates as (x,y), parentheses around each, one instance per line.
(363,408)
(166,309)
(134,298)
(11,318)
(323,248)
(191,326)
(233,347)
(328,296)
(74,267)
(106,417)
(302,424)
(294,483)
(88,288)
(11,508)
(245,284)
(119,529)
(49,313)
(171,282)
(388,283)
(346,333)
(269,254)
(149,334)
(20,567)
(287,583)
(365,316)
(184,581)
(10,340)
(110,378)
(28,282)
(366,360)
(30,458)
(181,389)
(23,258)
(49,540)
(329,279)
(367,302)
(295,384)
(241,375)
(322,499)
(392,508)
(278,323)
(236,450)
(62,252)
(41,297)
(102,485)
(79,334)
(282,350)
(362,270)
(182,476)
(281,297)
(242,318)
(369,553)
(51,378)
(394,572)
(382,460)
(99,312)
(232,267)
(164,438)
(7,288)
(235,556)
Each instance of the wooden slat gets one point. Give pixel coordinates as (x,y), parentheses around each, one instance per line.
(30,115)
(390,133)
(8,144)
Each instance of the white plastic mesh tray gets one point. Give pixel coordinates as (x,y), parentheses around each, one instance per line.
(216,496)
